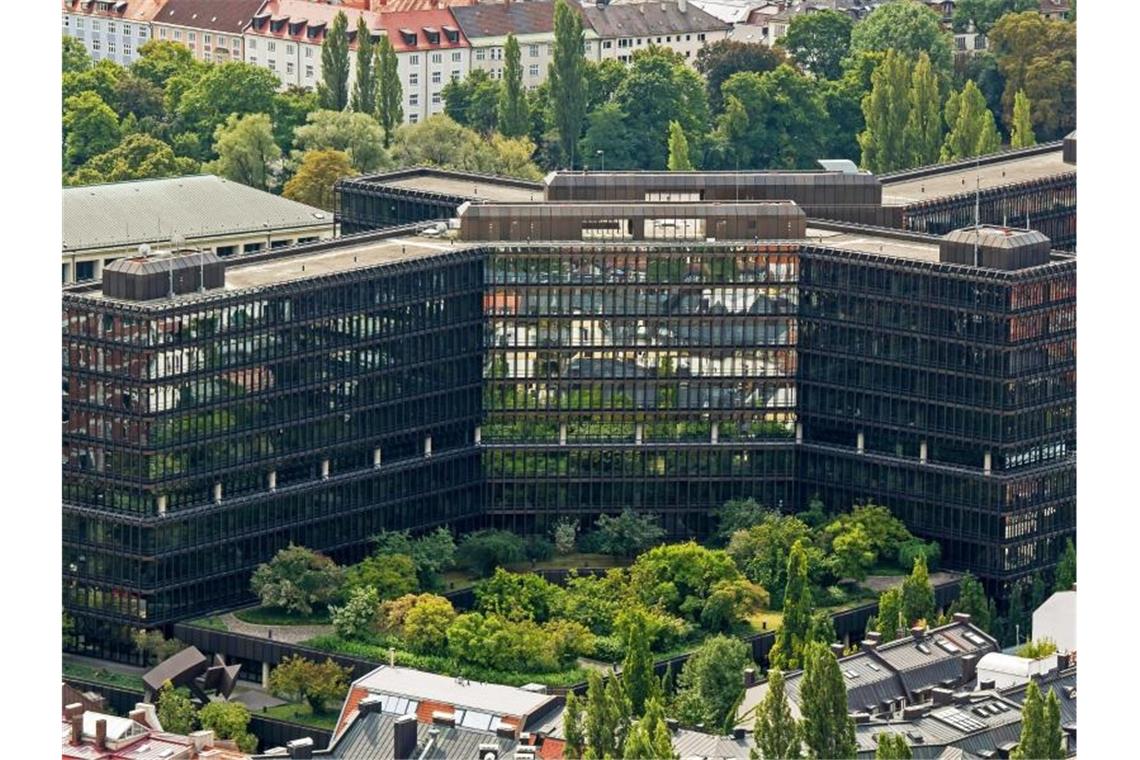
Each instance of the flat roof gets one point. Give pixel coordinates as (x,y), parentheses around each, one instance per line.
(866,241)
(431,687)
(961,179)
(475,188)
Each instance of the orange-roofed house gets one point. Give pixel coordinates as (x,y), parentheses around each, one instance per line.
(111,30)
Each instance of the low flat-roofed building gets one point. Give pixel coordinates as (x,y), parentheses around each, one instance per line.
(1056,620)
(102,223)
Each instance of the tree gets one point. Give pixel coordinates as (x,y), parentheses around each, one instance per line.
(291,109)
(981,15)
(890,617)
(620,714)
(90,126)
(776,731)
(608,135)
(924,122)
(851,554)
(485,550)
(1038,56)
(818,42)
(439,141)
(175,710)
(102,79)
(1040,727)
(572,729)
(712,683)
(660,87)
(738,514)
(886,111)
(786,119)
(628,534)
(314,682)
(514,116)
(972,128)
(908,28)
(637,667)
(139,97)
(1052,743)
(314,184)
(75,55)
(223,91)
(762,551)
(1066,575)
(565,536)
(518,596)
(136,157)
(1018,622)
(333,87)
(908,550)
(917,594)
(358,615)
(649,737)
(160,60)
(153,646)
(246,151)
(972,600)
(229,720)
(787,651)
(1021,130)
(567,79)
(600,727)
(892,746)
(474,101)
(828,730)
(425,624)
(358,135)
(723,58)
(364,87)
(688,580)
(390,93)
(678,149)
(297,580)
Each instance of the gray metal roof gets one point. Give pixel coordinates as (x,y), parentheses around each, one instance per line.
(500,20)
(371,736)
(695,744)
(150,211)
(645,19)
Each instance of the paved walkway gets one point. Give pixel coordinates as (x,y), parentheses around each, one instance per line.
(880,583)
(290,634)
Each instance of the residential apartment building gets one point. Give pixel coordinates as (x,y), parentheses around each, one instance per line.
(431,50)
(111,30)
(487,26)
(211,29)
(679,26)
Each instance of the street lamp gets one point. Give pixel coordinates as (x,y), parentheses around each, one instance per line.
(602,153)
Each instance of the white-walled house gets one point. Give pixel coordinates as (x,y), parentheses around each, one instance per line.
(111,30)
(680,26)
(211,29)
(431,50)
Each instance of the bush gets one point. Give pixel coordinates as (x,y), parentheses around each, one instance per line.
(313,682)
(628,534)
(297,579)
(909,550)
(426,624)
(175,710)
(229,720)
(485,550)
(833,596)
(390,575)
(565,534)
(492,641)
(518,596)
(538,549)
(1035,650)
(358,615)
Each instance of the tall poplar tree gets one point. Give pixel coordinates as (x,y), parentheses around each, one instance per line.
(1041,737)
(333,88)
(890,617)
(572,729)
(567,79)
(892,747)
(828,730)
(389,93)
(972,128)
(924,122)
(1021,133)
(886,112)
(917,594)
(1052,743)
(678,149)
(1066,574)
(637,667)
(364,88)
(599,725)
(514,115)
(787,651)
(776,732)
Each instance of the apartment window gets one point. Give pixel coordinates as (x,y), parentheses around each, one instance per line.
(96,46)
(980,42)
(658,40)
(252,247)
(961,43)
(480,54)
(701,37)
(638,40)
(456,57)
(162,33)
(414,60)
(308,51)
(688,38)
(207,39)
(534,70)
(413,79)
(435,99)
(127,49)
(607,44)
(414,99)
(206,56)
(308,72)
(142,31)
(271,47)
(193,37)
(66,21)
(437,57)
(589,46)
(289,49)
(253,59)
(253,44)
(79,23)
(669,39)
(436,77)
(178,34)
(110,47)
(624,43)
(96,24)
(110,27)
(289,68)
(534,51)
(413,118)
(455,75)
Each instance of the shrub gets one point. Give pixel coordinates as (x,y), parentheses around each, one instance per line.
(229,720)
(1036,649)
(297,579)
(175,710)
(909,550)
(358,615)
(565,535)
(391,575)
(426,624)
(538,549)
(492,641)
(628,534)
(313,682)
(518,596)
(483,551)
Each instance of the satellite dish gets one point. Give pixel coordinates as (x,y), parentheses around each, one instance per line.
(841,165)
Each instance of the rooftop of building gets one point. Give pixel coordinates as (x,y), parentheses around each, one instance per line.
(153,210)
(129,739)
(1012,167)
(501,19)
(648,19)
(879,242)
(460,186)
(228,16)
(127,10)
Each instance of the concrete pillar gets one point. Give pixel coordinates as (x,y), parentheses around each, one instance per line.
(376,457)
(859,442)
(478,435)
(638,433)
(98,268)
(715,432)
(922,452)
(161,504)
(427,446)
(562,434)
(272,480)
(799,432)
(987,463)
(324,469)
(218,493)
(265,675)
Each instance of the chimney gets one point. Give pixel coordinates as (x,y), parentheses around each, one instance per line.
(918,632)
(488,752)
(77,729)
(73,709)
(910,712)
(861,717)
(151,713)
(1062,660)
(404,737)
(441,718)
(987,685)
(505,731)
(672,724)
(943,696)
(749,677)
(370,704)
(874,636)
(961,617)
(300,749)
(138,716)
(969,668)
(101,733)
(868,643)
(738,733)
(837,649)
(202,740)
(683,6)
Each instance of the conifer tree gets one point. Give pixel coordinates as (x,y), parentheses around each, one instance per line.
(620,715)
(390,94)
(1040,727)
(514,114)
(1052,743)
(892,747)
(637,668)
(828,731)
(364,88)
(890,617)
(886,111)
(972,600)
(678,149)
(1021,133)
(598,729)
(924,122)
(572,728)
(333,88)
(917,594)
(794,630)
(567,79)
(972,128)
(1066,574)
(776,732)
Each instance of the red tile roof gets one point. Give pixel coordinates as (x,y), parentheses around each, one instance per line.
(354,699)
(226,16)
(127,10)
(415,22)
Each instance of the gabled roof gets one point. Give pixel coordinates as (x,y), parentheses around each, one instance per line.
(127,10)
(227,16)
(439,21)
(503,19)
(646,19)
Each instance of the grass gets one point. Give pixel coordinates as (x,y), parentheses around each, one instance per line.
(271,616)
(887,567)
(770,618)
(301,713)
(457,580)
(102,675)
(213,621)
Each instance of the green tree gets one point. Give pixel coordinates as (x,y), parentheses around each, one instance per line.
(364,86)
(776,731)
(1021,131)
(1036,650)
(972,128)
(358,615)
(332,90)
(892,746)
(649,736)
(600,728)
(485,550)
(629,533)
(90,128)
(712,683)
(818,42)
(297,580)
(917,594)
(425,624)
(358,135)
(518,596)
(886,112)
(660,87)
(514,116)
(738,514)
(1038,56)
(316,683)
(567,79)
(75,55)
(678,149)
(723,58)
(924,122)
(136,157)
(637,667)
(229,720)
(1018,620)
(786,119)
(890,617)
(314,184)
(762,551)
(175,710)
(608,135)
(828,730)
(1041,737)
(439,141)
(572,729)
(972,600)
(223,91)
(246,151)
(1052,741)
(474,101)
(138,96)
(291,108)
(565,536)
(620,713)
(908,27)
(787,651)
(1066,574)
(102,79)
(432,553)
(390,93)
(683,579)
(154,647)
(981,15)
(160,60)
(851,553)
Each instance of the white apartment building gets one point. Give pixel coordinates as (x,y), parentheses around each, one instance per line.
(486,28)
(431,50)
(211,29)
(622,29)
(111,30)
(285,36)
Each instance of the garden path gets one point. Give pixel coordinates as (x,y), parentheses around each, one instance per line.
(290,634)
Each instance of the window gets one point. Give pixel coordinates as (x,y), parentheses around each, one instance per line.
(436,77)
(308,51)
(96,25)
(435,99)
(980,42)
(110,27)
(414,99)
(289,68)
(79,23)
(413,118)
(701,37)
(289,49)
(669,38)
(206,56)
(142,31)
(162,32)
(272,63)
(480,54)
(414,60)
(177,34)
(95,46)
(207,39)
(271,47)
(688,38)
(455,75)
(253,44)
(961,42)
(251,247)
(413,79)
(533,70)
(66,24)
(308,72)
(110,47)
(607,44)
(437,57)
(127,49)
(253,59)
(192,37)
(534,51)
(589,46)
(658,40)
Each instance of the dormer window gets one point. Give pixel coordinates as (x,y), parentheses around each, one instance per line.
(432,35)
(452,34)
(316,30)
(410,37)
(277,24)
(295,27)
(260,20)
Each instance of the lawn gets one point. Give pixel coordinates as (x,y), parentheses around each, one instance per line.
(766,620)
(213,622)
(102,675)
(300,713)
(456,580)
(272,616)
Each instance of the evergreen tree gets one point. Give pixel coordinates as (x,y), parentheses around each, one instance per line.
(599,727)
(972,600)
(620,713)
(917,594)
(1040,727)
(794,630)
(1037,592)
(1021,133)
(892,747)
(514,116)
(333,88)
(1017,624)
(890,617)
(572,728)
(637,667)
(886,112)
(1052,742)
(924,123)
(390,94)
(972,128)
(649,737)
(828,730)
(1066,574)
(567,79)
(776,732)
(364,88)
(678,149)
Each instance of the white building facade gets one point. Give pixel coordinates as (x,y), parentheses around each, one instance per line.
(111,30)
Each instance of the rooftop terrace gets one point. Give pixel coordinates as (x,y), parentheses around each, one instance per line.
(962,177)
